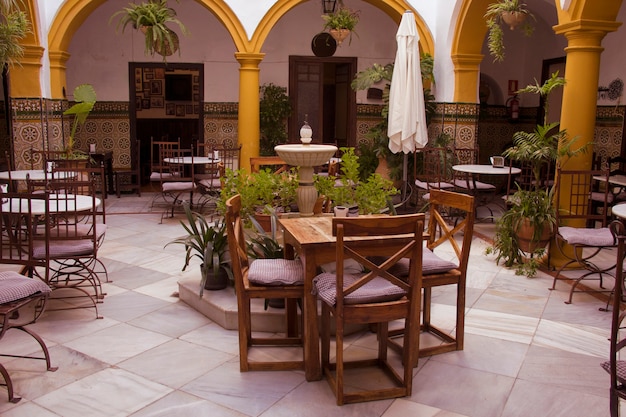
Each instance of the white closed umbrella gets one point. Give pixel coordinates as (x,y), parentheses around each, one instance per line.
(407,113)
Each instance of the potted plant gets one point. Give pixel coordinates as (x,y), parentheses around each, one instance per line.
(341,23)
(527,226)
(274,109)
(14,27)
(509,12)
(150,17)
(209,243)
(261,192)
(84,100)
(370,195)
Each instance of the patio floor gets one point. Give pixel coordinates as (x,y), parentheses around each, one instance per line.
(526,352)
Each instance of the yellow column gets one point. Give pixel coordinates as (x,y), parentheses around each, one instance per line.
(25,78)
(578,110)
(466,76)
(58,61)
(249,120)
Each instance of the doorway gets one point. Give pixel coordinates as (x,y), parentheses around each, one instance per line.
(165,104)
(320,93)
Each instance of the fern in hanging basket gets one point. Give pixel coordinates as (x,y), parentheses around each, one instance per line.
(510,13)
(151,17)
(341,23)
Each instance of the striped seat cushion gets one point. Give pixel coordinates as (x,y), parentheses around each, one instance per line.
(14,286)
(178,186)
(587,236)
(274,272)
(63,249)
(475,184)
(431,264)
(378,290)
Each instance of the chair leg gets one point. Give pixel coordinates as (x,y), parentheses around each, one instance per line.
(9,384)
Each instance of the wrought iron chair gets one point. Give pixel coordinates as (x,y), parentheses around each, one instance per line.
(129,179)
(582,233)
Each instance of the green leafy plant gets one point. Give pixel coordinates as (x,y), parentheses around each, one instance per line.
(370,195)
(496,13)
(259,190)
(535,208)
(274,109)
(85,99)
(14,26)
(209,243)
(151,17)
(343,18)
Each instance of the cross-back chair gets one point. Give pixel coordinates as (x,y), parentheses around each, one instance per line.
(375,297)
(263,279)
(438,271)
(582,232)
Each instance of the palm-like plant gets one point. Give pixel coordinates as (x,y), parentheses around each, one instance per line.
(209,243)
(14,26)
(85,99)
(151,18)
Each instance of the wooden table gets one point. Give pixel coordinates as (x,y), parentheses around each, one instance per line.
(313,240)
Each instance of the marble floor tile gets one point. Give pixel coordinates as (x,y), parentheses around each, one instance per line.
(526,352)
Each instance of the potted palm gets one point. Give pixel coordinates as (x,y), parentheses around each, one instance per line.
(341,23)
(150,17)
(505,12)
(209,243)
(528,225)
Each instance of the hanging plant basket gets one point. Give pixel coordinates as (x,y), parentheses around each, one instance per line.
(339,34)
(167,49)
(514,19)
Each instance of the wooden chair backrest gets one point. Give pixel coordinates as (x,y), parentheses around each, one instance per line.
(256,163)
(445,204)
(237,242)
(371,233)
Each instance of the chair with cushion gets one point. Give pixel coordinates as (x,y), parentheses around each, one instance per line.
(177,179)
(22,300)
(582,232)
(436,172)
(615,366)
(375,297)
(263,279)
(438,271)
(468,183)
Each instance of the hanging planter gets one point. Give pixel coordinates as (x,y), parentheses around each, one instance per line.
(150,18)
(341,24)
(512,13)
(339,34)
(513,19)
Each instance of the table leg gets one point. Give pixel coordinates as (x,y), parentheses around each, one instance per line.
(312,367)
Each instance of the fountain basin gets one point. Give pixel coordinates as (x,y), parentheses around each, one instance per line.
(305,155)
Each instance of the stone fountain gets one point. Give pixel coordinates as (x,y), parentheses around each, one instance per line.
(306,155)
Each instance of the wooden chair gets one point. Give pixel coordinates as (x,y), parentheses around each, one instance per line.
(277,164)
(582,233)
(263,278)
(615,366)
(376,297)
(438,272)
(129,179)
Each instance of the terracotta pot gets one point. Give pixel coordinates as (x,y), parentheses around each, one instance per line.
(215,282)
(339,34)
(265,220)
(525,234)
(513,19)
